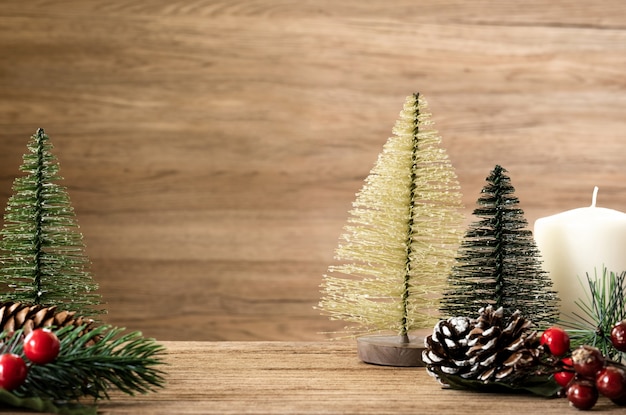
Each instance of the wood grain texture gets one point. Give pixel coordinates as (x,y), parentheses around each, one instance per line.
(212,149)
(309,378)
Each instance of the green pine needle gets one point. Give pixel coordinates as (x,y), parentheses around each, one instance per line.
(603,307)
(92,364)
(46,405)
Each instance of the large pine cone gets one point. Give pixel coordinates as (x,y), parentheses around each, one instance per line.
(486,348)
(15,316)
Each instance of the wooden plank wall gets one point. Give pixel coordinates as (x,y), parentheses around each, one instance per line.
(212,148)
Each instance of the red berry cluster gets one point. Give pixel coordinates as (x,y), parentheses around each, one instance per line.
(587,374)
(41,346)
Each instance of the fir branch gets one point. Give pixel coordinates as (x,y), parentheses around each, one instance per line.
(93,363)
(602,308)
(46,405)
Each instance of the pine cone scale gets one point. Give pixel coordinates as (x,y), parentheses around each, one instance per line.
(504,373)
(16,316)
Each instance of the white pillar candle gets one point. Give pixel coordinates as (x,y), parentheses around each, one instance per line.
(579,242)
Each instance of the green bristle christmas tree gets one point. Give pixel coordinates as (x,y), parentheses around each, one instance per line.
(498,261)
(402,235)
(42,251)
(47,293)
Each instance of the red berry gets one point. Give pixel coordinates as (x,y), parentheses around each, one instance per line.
(611,382)
(618,336)
(621,401)
(582,395)
(564,378)
(13,371)
(588,361)
(556,340)
(41,346)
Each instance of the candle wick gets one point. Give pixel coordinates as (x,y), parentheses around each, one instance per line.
(595,196)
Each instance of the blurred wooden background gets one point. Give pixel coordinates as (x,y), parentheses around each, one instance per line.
(212,149)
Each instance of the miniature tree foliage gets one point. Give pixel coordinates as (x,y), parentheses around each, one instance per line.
(41,250)
(498,261)
(402,234)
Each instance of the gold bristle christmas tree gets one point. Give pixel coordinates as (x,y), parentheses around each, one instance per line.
(401,239)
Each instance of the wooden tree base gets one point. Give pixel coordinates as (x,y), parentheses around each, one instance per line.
(391,351)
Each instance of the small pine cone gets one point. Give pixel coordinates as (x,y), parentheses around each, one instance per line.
(447,347)
(491,349)
(15,316)
(497,348)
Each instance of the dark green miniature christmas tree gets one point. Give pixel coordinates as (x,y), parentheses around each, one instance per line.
(497,263)
(41,251)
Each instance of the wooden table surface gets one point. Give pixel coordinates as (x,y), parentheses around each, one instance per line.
(309,378)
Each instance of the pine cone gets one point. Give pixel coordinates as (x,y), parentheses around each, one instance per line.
(15,316)
(486,348)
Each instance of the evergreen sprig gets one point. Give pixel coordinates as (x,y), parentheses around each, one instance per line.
(93,363)
(603,307)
